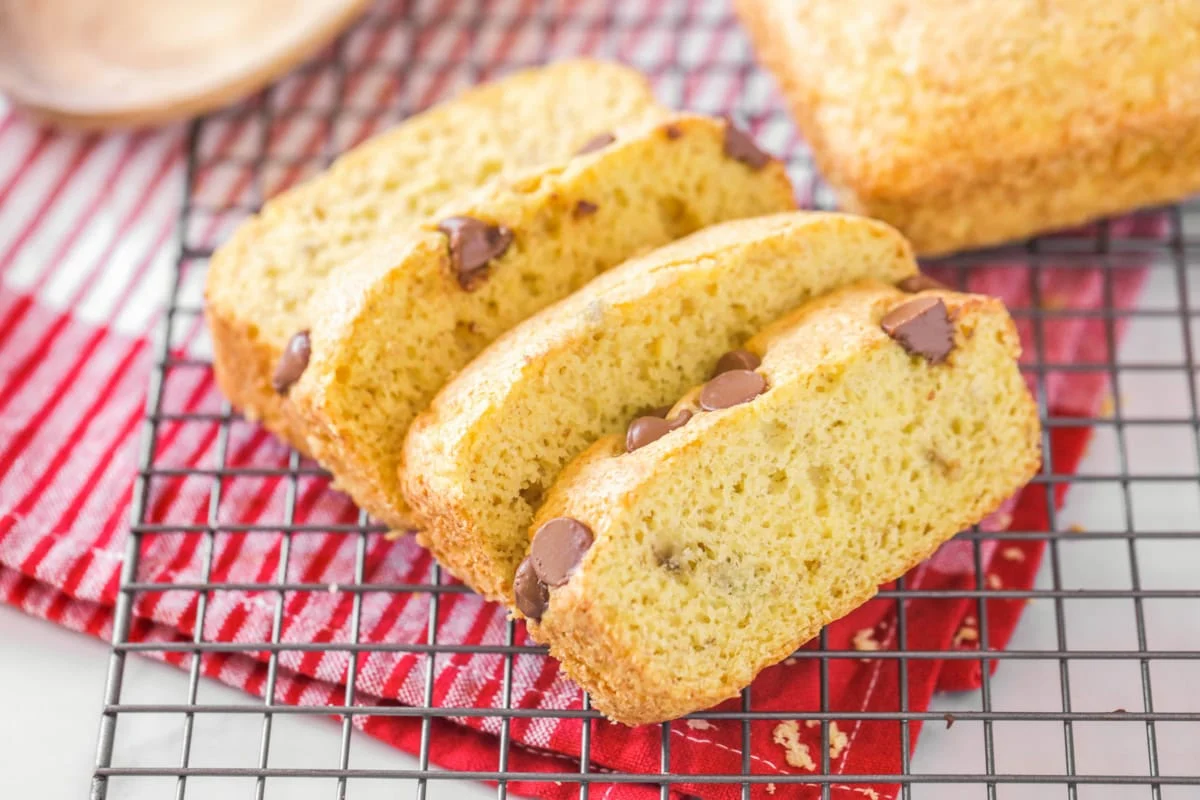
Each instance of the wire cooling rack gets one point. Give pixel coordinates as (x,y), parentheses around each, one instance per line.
(1095,698)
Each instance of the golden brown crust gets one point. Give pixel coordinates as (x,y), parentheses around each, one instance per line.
(243,372)
(587,625)
(964,126)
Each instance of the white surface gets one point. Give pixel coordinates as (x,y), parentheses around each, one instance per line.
(54,679)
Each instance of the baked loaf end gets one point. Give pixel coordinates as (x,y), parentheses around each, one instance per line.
(720,548)
(392,328)
(477,462)
(965,122)
(260,281)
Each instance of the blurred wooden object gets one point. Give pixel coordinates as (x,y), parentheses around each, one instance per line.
(123,63)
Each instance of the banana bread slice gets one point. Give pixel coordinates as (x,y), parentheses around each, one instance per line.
(389,330)
(877,426)
(477,462)
(260,281)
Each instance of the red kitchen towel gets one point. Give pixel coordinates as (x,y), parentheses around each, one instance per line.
(87,247)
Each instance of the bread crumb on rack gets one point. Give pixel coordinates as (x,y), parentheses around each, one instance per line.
(838,740)
(787,736)
(864,639)
(965,634)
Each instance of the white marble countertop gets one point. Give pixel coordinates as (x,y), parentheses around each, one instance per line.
(55,679)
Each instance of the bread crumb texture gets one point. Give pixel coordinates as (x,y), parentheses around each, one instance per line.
(259,282)
(965,122)
(726,544)
(391,330)
(478,462)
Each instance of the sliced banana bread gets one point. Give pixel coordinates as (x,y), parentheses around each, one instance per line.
(477,462)
(260,281)
(391,328)
(878,424)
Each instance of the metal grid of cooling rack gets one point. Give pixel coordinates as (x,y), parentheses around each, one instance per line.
(449,40)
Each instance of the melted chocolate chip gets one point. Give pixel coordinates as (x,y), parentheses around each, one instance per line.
(644,430)
(740,147)
(673,131)
(732,389)
(920,283)
(922,327)
(558,547)
(292,363)
(473,245)
(584,208)
(736,359)
(597,142)
(531,595)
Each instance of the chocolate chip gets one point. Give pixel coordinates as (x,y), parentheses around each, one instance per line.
(584,208)
(732,389)
(292,363)
(644,430)
(597,142)
(531,595)
(950,719)
(740,147)
(920,283)
(673,132)
(736,359)
(922,327)
(558,548)
(473,244)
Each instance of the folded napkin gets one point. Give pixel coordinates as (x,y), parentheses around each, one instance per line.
(87,228)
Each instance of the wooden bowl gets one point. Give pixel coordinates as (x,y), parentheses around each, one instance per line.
(123,63)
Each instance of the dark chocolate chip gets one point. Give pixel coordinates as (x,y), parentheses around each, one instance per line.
(473,245)
(736,359)
(740,147)
(292,363)
(531,595)
(597,142)
(673,131)
(558,547)
(644,430)
(922,327)
(584,208)
(732,389)
(920,283)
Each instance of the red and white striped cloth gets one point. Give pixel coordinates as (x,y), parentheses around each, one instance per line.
(88,237)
